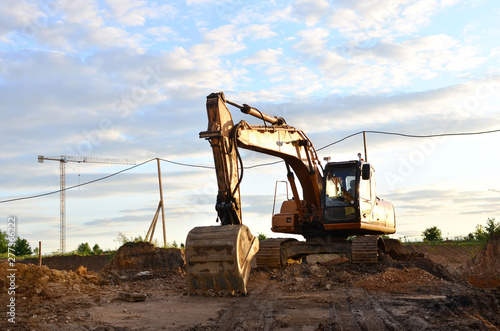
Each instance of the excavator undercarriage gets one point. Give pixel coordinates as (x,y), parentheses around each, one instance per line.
(279,252)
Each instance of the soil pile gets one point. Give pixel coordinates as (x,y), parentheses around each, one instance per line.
(33,281)
(484,269)
(143,260)
(410,272)
(38,289)
(394,248)
(392,279)
(445,253)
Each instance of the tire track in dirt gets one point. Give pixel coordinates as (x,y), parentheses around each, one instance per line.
(355,309)
(390,323)
(253,312)
(364,312)
(341,315)
(273,308)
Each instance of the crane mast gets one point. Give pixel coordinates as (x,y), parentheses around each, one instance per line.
(63,159)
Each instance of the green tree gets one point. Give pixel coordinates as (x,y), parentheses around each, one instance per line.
(492,227)
(470,237)
(262,236)
(22,247)
(96,250)
(84,249)
(480,233)
(432,234)
(4,242)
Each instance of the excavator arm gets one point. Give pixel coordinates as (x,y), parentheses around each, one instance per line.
(274,138)
(221,134)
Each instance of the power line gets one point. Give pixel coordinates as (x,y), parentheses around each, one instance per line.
(253,166)
(187,164)
(340,140)
(435,135)
(410,135)
(263,164)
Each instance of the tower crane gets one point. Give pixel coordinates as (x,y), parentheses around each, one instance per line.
(63,159)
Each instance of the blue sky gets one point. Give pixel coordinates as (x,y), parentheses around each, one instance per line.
(128,79)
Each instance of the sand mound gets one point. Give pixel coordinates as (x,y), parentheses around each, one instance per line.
(484,269)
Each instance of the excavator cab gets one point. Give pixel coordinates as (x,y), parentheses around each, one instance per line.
(341,192)
(350,202)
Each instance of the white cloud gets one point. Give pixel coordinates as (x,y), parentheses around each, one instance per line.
(313,41)
(310,11)
(386,65)
(278,15)
(160,32)
(362,20)
(136,12)
(257,31)
(19,15)
(267,56)
(191,2)
(81,11)
(495,53)
(430,203)
(450,107)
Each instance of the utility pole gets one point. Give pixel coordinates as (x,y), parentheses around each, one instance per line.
(152,227)
(63,159)
(364,143)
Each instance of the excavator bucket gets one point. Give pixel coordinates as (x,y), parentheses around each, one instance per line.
(218,258)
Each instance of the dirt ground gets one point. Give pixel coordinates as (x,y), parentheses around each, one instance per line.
(407,290)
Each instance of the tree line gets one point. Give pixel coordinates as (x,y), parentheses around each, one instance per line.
(21,246)
(481,234)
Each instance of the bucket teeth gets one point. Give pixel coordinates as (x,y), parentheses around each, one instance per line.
(218,258)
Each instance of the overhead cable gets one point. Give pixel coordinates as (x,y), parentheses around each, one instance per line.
(253,166)
(75,186)
(410,135)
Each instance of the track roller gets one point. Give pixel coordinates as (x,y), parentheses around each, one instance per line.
(273,253)
(364,249)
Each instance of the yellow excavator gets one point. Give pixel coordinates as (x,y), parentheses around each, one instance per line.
(337,202)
